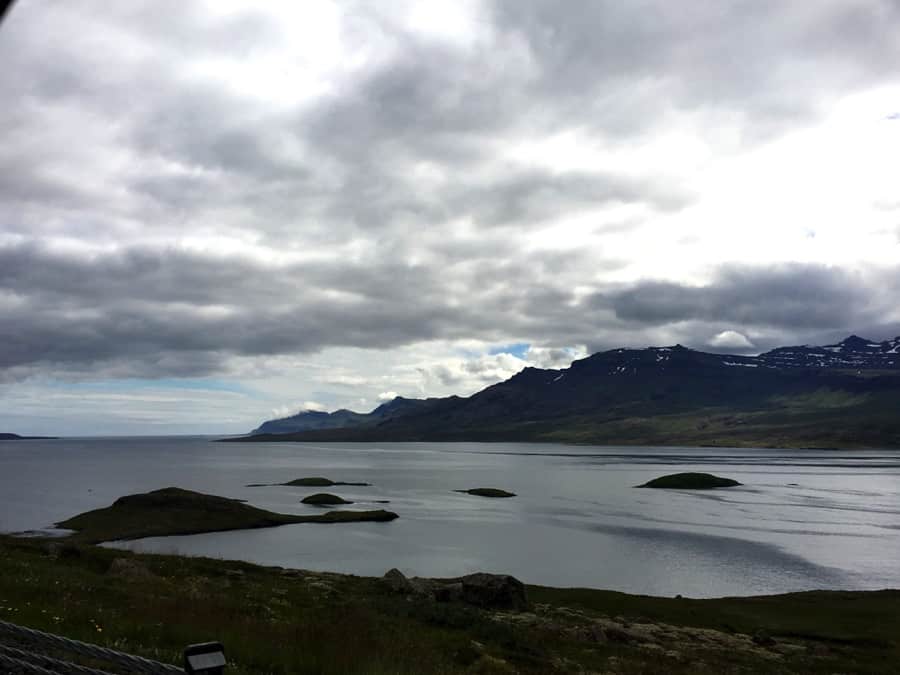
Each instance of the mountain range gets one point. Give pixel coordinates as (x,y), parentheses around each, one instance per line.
(841,395)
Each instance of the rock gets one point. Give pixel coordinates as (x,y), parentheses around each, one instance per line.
(322,587)
(323,498)
(319,481)
(488,492)
(493,591)
(422,587)
(130,569)
(618,634)
(397,582)
(448,592)
(690,481)
(312,481)
(763,639)
(488,591)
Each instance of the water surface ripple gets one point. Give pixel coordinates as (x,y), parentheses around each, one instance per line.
(804,519)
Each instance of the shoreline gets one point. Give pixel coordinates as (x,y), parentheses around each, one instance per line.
(293,620)
(296,438)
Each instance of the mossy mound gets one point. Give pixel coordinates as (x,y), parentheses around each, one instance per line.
(689,481)
(172,511)
(376,516)
(312,481)
(488,492)
(323,498)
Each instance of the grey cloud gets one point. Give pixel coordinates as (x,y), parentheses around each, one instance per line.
(798,297)
(108,135)
(768,61)
(148,305)
(158,312)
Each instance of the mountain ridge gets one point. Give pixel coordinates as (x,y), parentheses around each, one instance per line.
(659,395)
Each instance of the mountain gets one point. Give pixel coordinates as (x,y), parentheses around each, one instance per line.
(852,353)
(846,394)
(308,420)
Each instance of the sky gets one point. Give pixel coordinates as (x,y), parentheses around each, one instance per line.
(213,213)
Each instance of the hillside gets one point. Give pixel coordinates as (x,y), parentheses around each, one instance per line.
(307,420)
(274,620)
(841,395)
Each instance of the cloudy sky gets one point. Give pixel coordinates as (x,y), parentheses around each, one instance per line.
(216,212)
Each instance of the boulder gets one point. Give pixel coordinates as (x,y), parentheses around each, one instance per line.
(450,592)
(763,639)
(488,591)
(493,591)
(397,582)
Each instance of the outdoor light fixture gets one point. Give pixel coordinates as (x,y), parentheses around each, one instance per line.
(206,657)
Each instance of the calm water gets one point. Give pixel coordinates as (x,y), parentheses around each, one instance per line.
(803,520)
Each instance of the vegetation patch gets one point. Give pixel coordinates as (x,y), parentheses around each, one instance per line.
(690,481)
(274,620)
(312,481)
(488,492)
(323,499)
(173,511)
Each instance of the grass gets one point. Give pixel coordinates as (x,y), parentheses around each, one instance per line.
(173,511)
(824,420)
(283,621)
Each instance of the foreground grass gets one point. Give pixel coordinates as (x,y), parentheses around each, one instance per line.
(286,621)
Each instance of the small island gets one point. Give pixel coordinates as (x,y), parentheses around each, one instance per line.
(313,481)
(689,481)
(324,498)
(173,511)
(494,493)
(16,437)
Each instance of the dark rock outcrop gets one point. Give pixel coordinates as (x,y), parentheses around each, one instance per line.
(312,481)
(397,582)
(494,591)
(690,481)
(488,591)
(324,499)
(488,492)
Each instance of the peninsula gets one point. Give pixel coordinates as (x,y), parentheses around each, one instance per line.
(173,511)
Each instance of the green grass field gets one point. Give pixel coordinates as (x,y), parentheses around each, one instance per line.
(286,621)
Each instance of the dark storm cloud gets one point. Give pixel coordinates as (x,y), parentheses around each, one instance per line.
(168,311)
(111,137)
(148,306)
(791,297)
